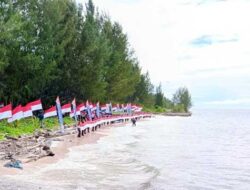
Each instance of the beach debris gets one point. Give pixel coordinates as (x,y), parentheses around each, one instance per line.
(14,164)
(29,148)
(11,138)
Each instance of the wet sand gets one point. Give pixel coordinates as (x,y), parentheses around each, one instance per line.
(11,178)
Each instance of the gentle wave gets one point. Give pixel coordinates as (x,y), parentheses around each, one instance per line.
(210,150)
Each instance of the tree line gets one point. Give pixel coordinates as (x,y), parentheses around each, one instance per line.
(60,48)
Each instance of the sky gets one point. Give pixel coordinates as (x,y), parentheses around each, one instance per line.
(203,45)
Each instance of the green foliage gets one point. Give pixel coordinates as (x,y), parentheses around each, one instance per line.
(168,104)
(144,90)
(155,109)
(182,100)
(29,126)
(57,47)
(179,108)
(159,96)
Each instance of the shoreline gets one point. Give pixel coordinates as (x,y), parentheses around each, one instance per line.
(29,178)
(177,114)
(32,174)
(61,148)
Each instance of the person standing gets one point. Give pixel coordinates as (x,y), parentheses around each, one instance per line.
(41,118)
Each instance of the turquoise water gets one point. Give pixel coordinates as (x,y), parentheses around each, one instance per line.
(210,150)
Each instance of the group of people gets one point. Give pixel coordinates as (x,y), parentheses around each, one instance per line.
(83,117)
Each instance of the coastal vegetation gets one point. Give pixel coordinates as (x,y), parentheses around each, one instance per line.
(61,48)
(182,100)
(29,126)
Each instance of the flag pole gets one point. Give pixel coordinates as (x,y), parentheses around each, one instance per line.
(59,114)
(74,111)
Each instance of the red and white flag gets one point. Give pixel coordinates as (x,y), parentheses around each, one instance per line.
(133,107)
(81,107)
(50,112)
(17,114)
(103,107)
(27,111)
(136,108)
(36,105)
(66,108)
(6,112)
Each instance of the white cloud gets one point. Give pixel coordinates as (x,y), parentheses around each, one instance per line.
(162,32)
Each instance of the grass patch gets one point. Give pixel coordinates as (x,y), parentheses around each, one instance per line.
(29,126)
(155,109)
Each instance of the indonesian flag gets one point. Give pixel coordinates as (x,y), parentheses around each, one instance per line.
(50,112)
(27,111)
(81,107)
(138,109)
(116,108)
(103,107)
(17,114)
(66,108)
(36,105)
(133,107)
(6,112)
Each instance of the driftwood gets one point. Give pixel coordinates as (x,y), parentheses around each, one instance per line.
(30,148)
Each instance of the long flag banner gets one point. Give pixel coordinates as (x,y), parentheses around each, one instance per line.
(59,114)
(6,112)
(27,111)
(36,105)
(17,114)
(66,108)
(50,112)
(103,108)
(81,107)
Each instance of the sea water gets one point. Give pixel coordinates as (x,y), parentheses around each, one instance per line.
(210,150)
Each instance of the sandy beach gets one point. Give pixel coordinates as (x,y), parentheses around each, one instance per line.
(11,178)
